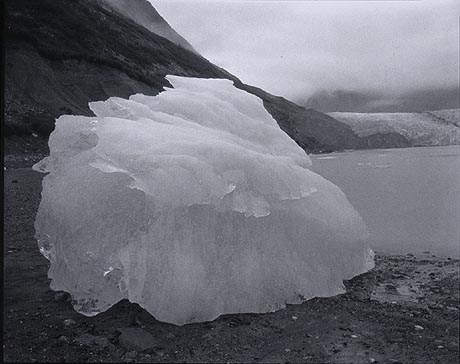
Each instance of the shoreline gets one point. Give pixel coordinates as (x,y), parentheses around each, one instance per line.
(404,310)
(22,157)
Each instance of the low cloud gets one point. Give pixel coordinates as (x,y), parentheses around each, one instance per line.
(296,48)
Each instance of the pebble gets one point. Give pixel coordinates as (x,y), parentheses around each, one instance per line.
(69,322)
(136,338)
(354,336)
(90,340)
(63,338)
(418,327)
(372,360)
(130,355)
(60,297)
(294,318)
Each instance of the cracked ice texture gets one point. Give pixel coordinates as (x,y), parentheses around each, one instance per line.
(193,204)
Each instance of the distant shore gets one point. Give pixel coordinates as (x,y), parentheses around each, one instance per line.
(406,310)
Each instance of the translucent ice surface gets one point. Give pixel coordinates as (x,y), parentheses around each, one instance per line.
(193,204)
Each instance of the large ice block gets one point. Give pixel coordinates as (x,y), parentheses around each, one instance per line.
(193,204)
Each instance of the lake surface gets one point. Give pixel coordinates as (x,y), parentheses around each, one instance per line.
(409,198)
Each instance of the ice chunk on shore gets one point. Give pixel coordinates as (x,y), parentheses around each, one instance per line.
(193,204)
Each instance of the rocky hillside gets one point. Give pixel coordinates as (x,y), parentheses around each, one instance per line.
(61,54)
(143,13)
(420,129)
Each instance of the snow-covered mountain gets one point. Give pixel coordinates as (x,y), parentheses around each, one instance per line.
(439,127)
(143,13)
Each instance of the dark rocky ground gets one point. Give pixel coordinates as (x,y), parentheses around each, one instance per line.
(404,311)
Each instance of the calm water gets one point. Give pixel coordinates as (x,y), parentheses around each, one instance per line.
(409,198)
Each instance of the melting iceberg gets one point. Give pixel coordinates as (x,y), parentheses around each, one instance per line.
(193,204)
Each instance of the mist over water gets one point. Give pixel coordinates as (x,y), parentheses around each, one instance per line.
(409,198)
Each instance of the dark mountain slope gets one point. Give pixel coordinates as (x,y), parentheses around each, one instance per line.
(61,54)
(143,13)
(308,127)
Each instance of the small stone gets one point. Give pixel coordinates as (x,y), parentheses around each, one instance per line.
(371,360)
(294,318)
(390,287)
(91,340)
(130,355)
(69,322)
(440,347)
(419,328)
(63,339)
(60,297)
(287,350)
(136,339)
(354,336)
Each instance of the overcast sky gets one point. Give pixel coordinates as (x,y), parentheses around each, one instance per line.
(292,48)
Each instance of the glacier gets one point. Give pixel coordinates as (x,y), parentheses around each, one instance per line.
(193,204)
(428,128)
